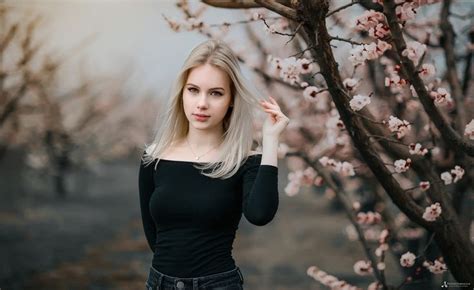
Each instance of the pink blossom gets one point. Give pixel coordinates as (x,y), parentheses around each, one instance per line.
(441,96)
(469,130)
(256,16)
(358,55)
(382,46)
(438,267)
(383,236)
(328,280)
(174,25)
(318,181)
(379,31)
(305,65)
(347,169)
(282,150)
(432,212)
(295,176)
(344,168)
(381,249)
(447,178)
(350,84)
(275,63)
(402,165)
(324,160)
(356,205)
(407,259)
(361,53)
(290,70)
(381,266)
(358,102)
(398,126)
(194,23)
(457,172)
(308,176)
(453,176)
(427,70)
(304,84)
(369,218)
(292,188)
(369,19)
(424,185)
(395,80)
(375,285)
(371,50)
(417,149)
(363,268)
(406,11)
(414,51)
(310,93)
(340,124)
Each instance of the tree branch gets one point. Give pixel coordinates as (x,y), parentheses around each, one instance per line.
(451,71)
(239,4)
(317,166)
(341,8)
(449,134)
(279,8)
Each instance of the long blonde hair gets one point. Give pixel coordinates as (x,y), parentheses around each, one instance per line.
(238,136)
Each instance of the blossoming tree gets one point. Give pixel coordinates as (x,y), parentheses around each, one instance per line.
(384,109)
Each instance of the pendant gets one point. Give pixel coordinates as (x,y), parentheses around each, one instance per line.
(197,158)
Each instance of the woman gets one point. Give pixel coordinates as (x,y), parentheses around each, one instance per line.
(199,175)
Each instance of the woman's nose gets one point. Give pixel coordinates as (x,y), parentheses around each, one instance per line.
(202,101)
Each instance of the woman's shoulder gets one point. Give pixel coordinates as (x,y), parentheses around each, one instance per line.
(253,158)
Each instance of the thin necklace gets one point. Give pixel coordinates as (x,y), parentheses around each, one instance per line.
(197,157)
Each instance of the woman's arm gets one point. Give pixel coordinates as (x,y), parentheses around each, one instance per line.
(146,187)
(260,191)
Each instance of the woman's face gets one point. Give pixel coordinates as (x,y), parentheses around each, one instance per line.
(207,93)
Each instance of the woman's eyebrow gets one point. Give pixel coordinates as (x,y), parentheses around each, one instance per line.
(217,88)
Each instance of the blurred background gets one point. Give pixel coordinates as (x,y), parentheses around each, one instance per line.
(82,84)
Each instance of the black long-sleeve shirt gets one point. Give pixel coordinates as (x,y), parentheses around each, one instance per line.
(190,220)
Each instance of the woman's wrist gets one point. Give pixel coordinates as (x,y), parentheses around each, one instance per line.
(270,150)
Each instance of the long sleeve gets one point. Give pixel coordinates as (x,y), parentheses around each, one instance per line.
(146,187)
(260,191)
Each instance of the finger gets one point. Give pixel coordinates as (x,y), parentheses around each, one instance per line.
(274,112)
(266,104)
(273,101)
(270,105)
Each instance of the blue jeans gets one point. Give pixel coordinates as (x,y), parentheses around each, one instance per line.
(229,280)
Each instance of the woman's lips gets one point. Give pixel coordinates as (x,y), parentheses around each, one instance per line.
(200,117)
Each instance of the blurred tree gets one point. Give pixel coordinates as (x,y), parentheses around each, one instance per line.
(62,129)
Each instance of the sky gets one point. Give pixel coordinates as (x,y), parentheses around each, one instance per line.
(129,36)
(126,36)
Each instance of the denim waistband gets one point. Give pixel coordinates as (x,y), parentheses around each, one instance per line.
(157,280)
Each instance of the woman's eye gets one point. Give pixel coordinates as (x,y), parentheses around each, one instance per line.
(192,90)
(217,93)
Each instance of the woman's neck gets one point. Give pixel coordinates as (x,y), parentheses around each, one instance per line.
(201,140)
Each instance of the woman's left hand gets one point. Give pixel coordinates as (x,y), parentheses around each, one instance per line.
(276,121)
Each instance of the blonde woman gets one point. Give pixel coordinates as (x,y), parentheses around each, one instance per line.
(199,175)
